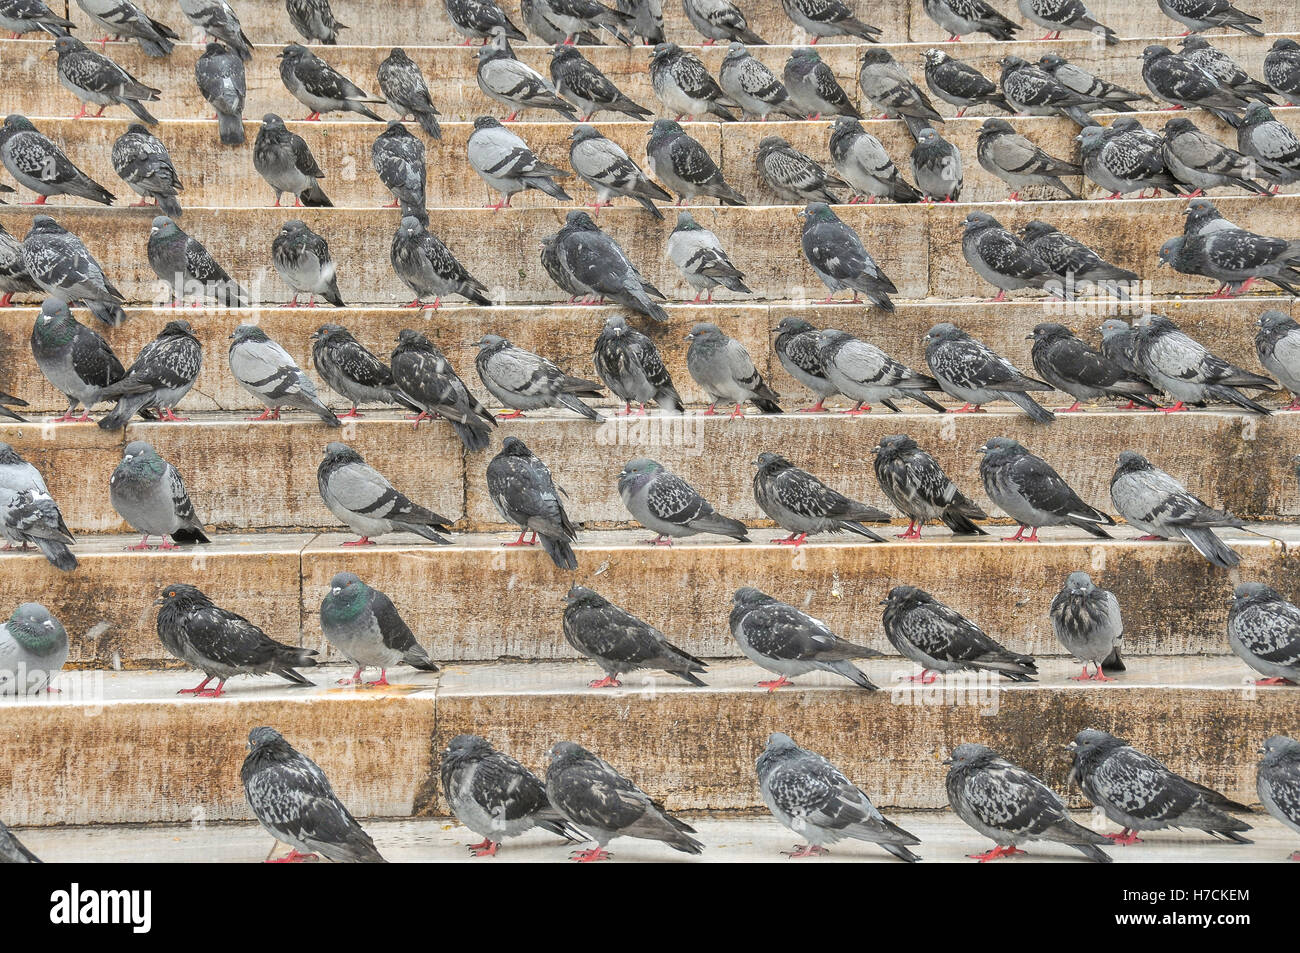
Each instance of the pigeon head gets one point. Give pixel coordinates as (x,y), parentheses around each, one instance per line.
(1257,113)
(177,328)
(487,122)
(1155,51)
(1091,137)
(492,341)
(771,143)
(704,331)
(1090,741)
(977,220)
(514,447)
(468,746)
(1011,63)
(1179,126)
(749,596)
(582,596)
(44,225)
(1052,62)
(735,50)
(793,326)
(1050,331)
(343,580)
(163,227)
(640,469)
(1201,208)
(1114,326)
(579,221)
(1274,319)
(259,737)
(934,57)
(139,449)
(1282,44)
(408,337)
(294,52)
(777,741)
(902,596)
(771,461)
(247,332)
(806,54)
(616,324)
(563,751)
(927,137)
(845,125)
(293,226)
(399,55)
(971,756)
(36,630)
(894,445)
(686,223)
(1170,251)
(662,51)
(1078,583)
(9,456)
(55,323)
(663,127)
(945,332)
(181,596)
(272,121)
(876,56)
(216,49)
(410,226)
(1256,592)
(1130,461)
(67,44)
(1000,447)
(582,132)
(1194,42)
(564,54)
(1279,747)
(996,127)
(336,453)
(16,122)
(817,212)
(1032,231)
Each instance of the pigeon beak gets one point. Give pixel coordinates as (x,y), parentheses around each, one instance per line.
(688,337)
(48,624)
(947,760)
(159,601)
(983,449)
(1162,263)
(1029,337)
(876,448)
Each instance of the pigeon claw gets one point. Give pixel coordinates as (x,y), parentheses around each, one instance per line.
(805,850)
(968,408)
(1174,408)
(1072,409)
(1125,838)
(794,539)
(609,681)
(820,408)
(590,856)
(995,854)
(1020,536)
(926,677)
(513,415)
(520,541)
(1275,680)
(913,532)
(773,684)
(363,541)
(660,540)
(294,857)
(1096,677)
(485,848)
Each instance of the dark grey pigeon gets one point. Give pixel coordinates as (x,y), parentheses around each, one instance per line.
(684,86)
(941,639)
(362,498)
(1027,489)
(1223,68)
(1199,15)
(303,260)
(1277,344)
(427,380)
(148,492)
(78,362)
(619,642)
(753,87)
(36,163)
(398,159)
(33,650)
(404,86)
(960,84)
(141,160)
(1075,266)
(1277,781)
(581,82)
(971,372)
(1119,347)
(604,804)
(353,371)
(95,79)
(813,87)
(1282,69)
(428,267)
(14,279)
(798,348)
(590,17)
(795,177)
(320,87)
(1141,794)
(813,798)
(719,20)
(782,639)
(598,265)
(1031,90)
(32,517)
(479,19)
(501,76)
(863,163)
(963,17)
(604,166)
(839,258)
(522,380)
(217,19)
(1018,162)
(265,369)
(1103,93)
(1076,368)
(647,19)
(1087,621)
(864,374)
(222,644)
(29,16)
(803,505)
(284,160)
(12,850)
(1151,500)
(700,257)
(291,797)
(631,367)
(1235,258)
(1272,145)
(1264,632)
(314,20)
(1058,15)
(828,18)
(521,488)
(57,260)
(183,263)
(936,167)
(1010,806)
(1123,162)
(1188,372)
(668,506)
(506,164)
(724,369)
(161,376)
(1173,78)
(550,258)
(999,257)
(917,485)
(682,164)
(365,627)
(219,74)
(889,87)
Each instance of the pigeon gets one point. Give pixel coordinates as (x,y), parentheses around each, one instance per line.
(1073,264)
(890,89)
(404,86)
(14,279)
(365,627)
(681,82)
(1282,69)
(917,485)
(940,639)
(862,372)
(540,20)
(1018,162)
(631,367)
(619,643)
(479,20)
(33,648)
(813,798)
(1188,372)
(1102,93)
(398,159)
(284,160)
(188,268)
(29,16)
(495,796)
(960,84)
(723,368)
(428,267)
(1264,632)
(222,644)
(507,165)
(936,167)
(314,20)
(219,74)
(1174,78)
(1235,258)
(1031,90)
(782,639)
(17,476)
(33,517)
(353,371)
(865,166)
(813,87)
(1027,489)
(972,372)
(681,163)
(795,177)
(218,20)
(1010,806)
(364,500)
(1119,347)
(521,488)
(94,78)
(141,161)
(1277,781)
(1086,620)
(550,258)
(837,255)
(1277,344)
(753,87)
(501,76)
(1076,368)
(320,87)
(999,257)
(798,348)
(522,380)
(149,494)
(1058,15)
(647,19)
(1123,162)
(604,804)
(265,369)
(1162,508)
(75,359)
(720,20)
(10,399)
(596,264)
(12,850)
(1199,15)
(963,17)
(291,797)
(302,259)
(700,257)
(161,376)
(431,385)
(41,166)
(1272,145)
(1224,69)
(578,17)
(802,504)
(581,82)
(668,506)
(604,166)
(1137,791)
(828,18)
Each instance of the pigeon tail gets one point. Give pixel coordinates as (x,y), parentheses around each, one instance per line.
(429,123)
(314,197)
(1205,542)
(1233,396)
(189,534)
(110,314)
(1113,663)
(288,659)
(1030,406)
(960,523)
(901,852)
(572,402)
(720,525)
(1093,853)
(141,113)
(547,185)
(853,674)
(126,408)
(559,550)
(475,433)
(57,553)
(170,206)
(230,129)
(861,530)
(424,531)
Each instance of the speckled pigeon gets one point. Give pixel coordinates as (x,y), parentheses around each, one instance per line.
(940,639)
(1076,368)
(57,260)
(522,380)
(839,258)
(619,642)
(684,86)
(668,506)
(682,164)
(161,376)
(1087,621)
(141,161)
(753,87)
(1027,489)
(404,86)
(183,263)
(813,87)
(917,485)
(1264,632)
(631,367)
(970,371)
(427,380)
(428,267)
(284,160)
(320,87)
(522,489)
(353,371)
(803,505)
(36,163)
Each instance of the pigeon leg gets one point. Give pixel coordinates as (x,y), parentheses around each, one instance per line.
(590,856)
(101,111)
(707,42)
(857,409)
(609,681)
(792,540)
(485,848)
(363,541)
(513,415)
(1033,536)
(82,114)
(710,412)
(40,200)
(626,411)
(140,546)
(212,692)
(201,687)
(1276,680)
(773,684)
(829,299)
(520,540)
(953,39)
(1054,35)
(352,413)
(926,677)
(913,532)
(813,41)
(995,854)
(354,680)
(1125,837)
(7,300)
(805,850)
(1018,538)
(511,117)
(1295,856)
(736,413)
(1072,409)
(393,204)
(381,682)
(417,303)
(293,857)
(1113,196)
(1294,405)
(961,112)
(1014,196)
(312,117)
(820,407)
(1174,409)
(660,540)
(169,415)
(968,408)
(1169,109)
(1002,296)
(271,413)
(1150,538)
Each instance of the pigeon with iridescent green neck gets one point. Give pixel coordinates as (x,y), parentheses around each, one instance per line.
(364,626)
(33,648)
(150,495)
(73,358)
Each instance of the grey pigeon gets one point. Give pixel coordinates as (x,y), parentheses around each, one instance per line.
(632,368)
(1188,372)
(94,78)
(578,17)
(284,160)
(292,798)
(960,84)
(189,268)
(1272,145)
(522,489)
(782,639)
(1058,15)
(863,163)
(404,86)
(813,798)
(647,19)
(1174,78)
(1199,15)
(218,20)
(864,373)
(33,517)
(999,257)
(604,804)
(724,369)
(501,76)
(479,19)
(795,177)
(17,476)
(619,642)
(684,86)
(798,348)
(941,639)
(365,627)
(314,20)
(813,87)
(917,485)
(33,648)
(1027,489)
(1010,806)
(141,161)
(550,258)
(76,360)
(803,505)
(936,167)
(681,163)
(303,260)
(353,371)
(828,18)
(265,369)
(890,89)
(604,166)
(522,380)
(1277,344)
(1102,93)
(700,257)
(719,20)
(1033,91)
(1282,69)
(14,279)
(57,260)
(1223,68)
(1138,792)
(839,258)
(595,263)
(148,492)
(1277,781)
(428,267)
(1087,621)
(29,16)
(963,17)
(320,87)
(1018,162)
(398,159)
(668,506)
(581,82)
(363,499)
(426,379)
(506,164)
(161,376)
(1075,266)
(1235,258)
(124,19)
(1264,632)
(219,74)
(753,87)
(36,163)
(1080,370)
(1123,162)
(970,371)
